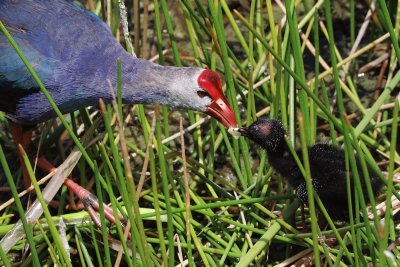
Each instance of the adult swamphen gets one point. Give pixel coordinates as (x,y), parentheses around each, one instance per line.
(74,54)
(327,166)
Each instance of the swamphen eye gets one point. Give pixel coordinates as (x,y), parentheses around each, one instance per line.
(202,93)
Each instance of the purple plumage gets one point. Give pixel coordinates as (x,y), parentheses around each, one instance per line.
(75,55)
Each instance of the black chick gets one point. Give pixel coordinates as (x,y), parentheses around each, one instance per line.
(327,166)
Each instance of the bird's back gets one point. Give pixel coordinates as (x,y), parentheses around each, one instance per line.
(50,33)
(66,45)
(329,174)
(328,164)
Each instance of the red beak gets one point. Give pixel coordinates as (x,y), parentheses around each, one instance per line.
(222,111)
(219,107)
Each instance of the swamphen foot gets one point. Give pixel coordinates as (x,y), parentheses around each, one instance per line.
(22,137)
(327,166)
(89,200)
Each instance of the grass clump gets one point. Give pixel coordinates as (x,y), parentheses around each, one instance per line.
(193,195)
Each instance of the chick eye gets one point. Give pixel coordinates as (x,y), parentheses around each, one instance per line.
(202,93)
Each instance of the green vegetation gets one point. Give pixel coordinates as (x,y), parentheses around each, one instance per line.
(204,198)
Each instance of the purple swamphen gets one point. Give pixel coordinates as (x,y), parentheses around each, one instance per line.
(327,166)
(74,54)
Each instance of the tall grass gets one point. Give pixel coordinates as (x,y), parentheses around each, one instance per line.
(213,200)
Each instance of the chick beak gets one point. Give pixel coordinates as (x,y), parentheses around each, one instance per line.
(244,131)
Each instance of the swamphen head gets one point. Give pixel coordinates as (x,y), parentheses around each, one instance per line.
(268,133)
(214,102)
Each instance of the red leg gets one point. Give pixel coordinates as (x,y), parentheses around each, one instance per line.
(88,199)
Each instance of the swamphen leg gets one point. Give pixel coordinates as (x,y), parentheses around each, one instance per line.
(23,137)
(88,199)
